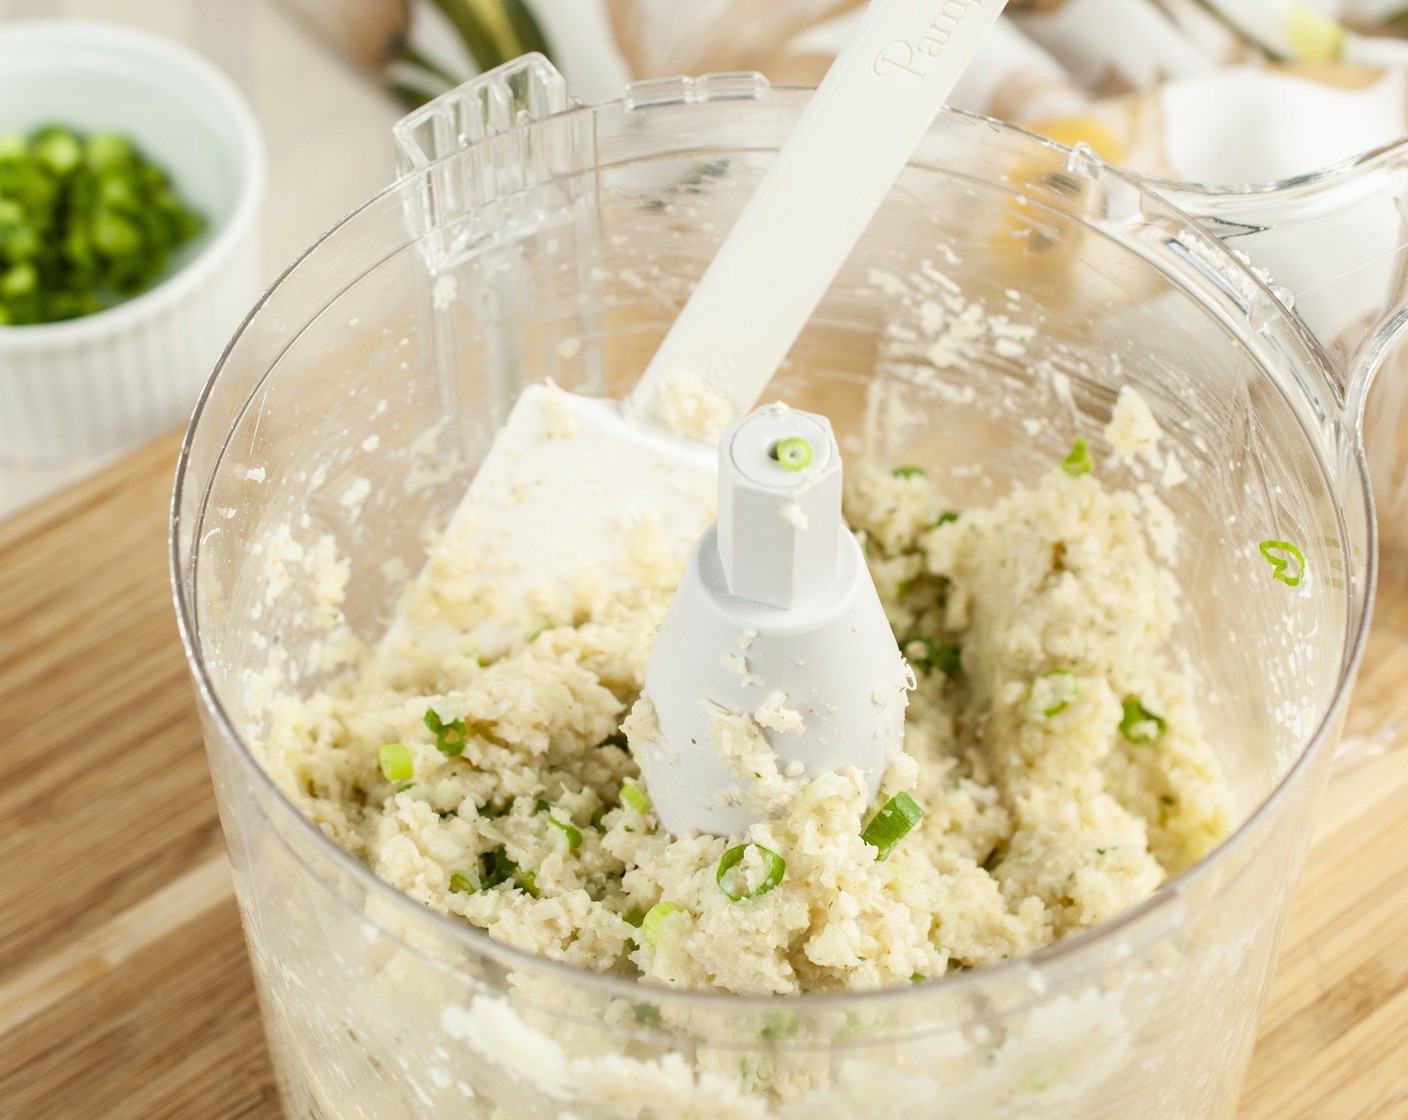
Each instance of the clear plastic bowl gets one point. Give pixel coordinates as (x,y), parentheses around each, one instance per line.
(572,236)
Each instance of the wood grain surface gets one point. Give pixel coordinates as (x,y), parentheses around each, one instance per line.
(124,988)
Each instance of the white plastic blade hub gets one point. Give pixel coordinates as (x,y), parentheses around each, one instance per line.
(816,669)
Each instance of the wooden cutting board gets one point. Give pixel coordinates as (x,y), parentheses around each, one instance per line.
(124,989)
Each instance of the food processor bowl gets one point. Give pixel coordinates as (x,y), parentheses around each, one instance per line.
(532,238)
(1333,246)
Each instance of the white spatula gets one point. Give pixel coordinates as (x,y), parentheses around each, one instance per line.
(569,478)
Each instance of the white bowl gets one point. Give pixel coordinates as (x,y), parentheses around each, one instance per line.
(119,377)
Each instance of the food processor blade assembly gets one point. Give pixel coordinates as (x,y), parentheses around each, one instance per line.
(775,662)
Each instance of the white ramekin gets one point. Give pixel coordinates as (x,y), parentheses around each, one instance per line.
(123,375)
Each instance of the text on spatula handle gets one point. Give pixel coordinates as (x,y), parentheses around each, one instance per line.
(905,58)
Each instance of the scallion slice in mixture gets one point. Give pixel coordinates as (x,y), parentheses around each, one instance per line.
(652,925)
(497,868)
(635,797)
(568,829)
(1051,693)
(730,880)
(449,737)
(929,654)
(1139,725)
(396,763)
(1077,462)
(896,818)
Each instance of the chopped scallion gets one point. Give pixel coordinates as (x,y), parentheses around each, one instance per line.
(1139,725)
(730,877)
(84,222)
(1077,462)
(635,797)
(794,454)
(652,925)
(930,654)
(947,517)
(892,824)
(568,829)
(462,884)
(396,763)
(908,472)
(1279,564)
(449,737)
(496,868)
(779,1026)
(1051,693)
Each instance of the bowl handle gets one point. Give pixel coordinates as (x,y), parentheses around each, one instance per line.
(1333,245)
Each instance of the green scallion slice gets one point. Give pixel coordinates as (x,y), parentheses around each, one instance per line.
(653,924)
(729,879)
(1279,564)
(569,830)
(930,654)
(462,884)
(896,818)
(908,472)
(1139,725)
(794,454)
(396,763)
(58,149)
(1077,462)
(449,737)
(946,518)
(1051,693)
(635,797)
(779,1026)
(496,868)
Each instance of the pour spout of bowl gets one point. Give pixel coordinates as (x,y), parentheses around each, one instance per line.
(1331,247)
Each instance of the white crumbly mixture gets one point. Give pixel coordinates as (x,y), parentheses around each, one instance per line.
(1045,623)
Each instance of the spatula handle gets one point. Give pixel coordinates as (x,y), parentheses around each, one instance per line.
(864,122)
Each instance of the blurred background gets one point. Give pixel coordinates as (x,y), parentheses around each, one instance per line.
(1224,91)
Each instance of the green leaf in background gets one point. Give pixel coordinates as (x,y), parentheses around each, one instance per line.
(493,31)
(85,222)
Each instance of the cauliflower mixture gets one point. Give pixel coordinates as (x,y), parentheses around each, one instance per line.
(1052,745)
